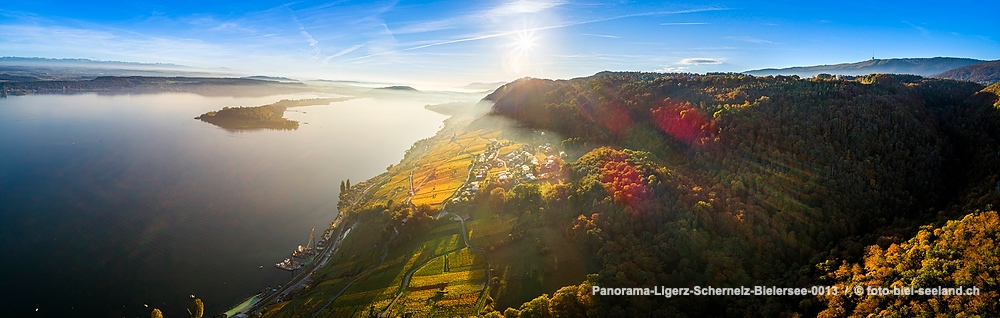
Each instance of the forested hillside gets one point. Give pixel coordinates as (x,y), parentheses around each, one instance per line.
(985,73)
(730,180)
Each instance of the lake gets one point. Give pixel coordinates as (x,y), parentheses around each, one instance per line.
(109,203)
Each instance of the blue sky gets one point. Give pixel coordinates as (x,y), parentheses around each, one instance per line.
(458,42)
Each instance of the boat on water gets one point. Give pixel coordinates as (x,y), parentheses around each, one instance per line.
(302,252)
(305,251)
(289,264)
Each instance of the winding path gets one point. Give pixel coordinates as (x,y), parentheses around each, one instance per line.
(409,274)
(385,253)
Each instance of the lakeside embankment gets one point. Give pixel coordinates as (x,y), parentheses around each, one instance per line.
(337,231)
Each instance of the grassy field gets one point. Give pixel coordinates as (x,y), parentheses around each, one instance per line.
(526,273)
(488,228)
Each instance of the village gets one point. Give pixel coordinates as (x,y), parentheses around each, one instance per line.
(510,169)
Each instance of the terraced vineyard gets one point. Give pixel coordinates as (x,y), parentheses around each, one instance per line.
(439,169)
(376,291)
(448,286)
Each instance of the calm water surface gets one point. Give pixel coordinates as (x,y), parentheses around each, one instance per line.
(110,203)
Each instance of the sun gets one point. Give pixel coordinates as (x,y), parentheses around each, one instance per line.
(524,41)
(522,47)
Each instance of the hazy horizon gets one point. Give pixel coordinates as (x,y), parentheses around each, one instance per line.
(489,41)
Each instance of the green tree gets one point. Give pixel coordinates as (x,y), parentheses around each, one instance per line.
(511,313)
(497,200)
(564,303)
(536,308)
(493,314)
(525,198)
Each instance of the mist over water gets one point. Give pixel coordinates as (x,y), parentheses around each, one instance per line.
(108,203)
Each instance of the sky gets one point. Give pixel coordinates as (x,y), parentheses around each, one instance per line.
(460,42)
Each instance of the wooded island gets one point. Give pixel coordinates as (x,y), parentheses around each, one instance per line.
(270,116)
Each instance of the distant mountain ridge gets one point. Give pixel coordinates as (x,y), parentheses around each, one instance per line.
(8,60)
(985,73)
(915,66)
(207,86)
(21,69)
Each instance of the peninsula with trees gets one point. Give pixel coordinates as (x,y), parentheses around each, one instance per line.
(270,116)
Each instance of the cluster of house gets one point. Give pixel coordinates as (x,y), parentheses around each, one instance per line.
(520,166)
(467,193)
(517,167)
(490,159)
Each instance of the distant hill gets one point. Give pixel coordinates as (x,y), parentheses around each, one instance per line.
(272,78)
(398,88)
(16,78)
(915,66)
(985,73)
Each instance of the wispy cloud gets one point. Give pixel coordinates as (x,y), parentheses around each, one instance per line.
(684,23)
(600,35)
(523,6)
(342,52)
(500,13)
(309,38)
(917,27)
(430,26)
(230,26)
(469,38)
(749,39)
(700,61)
(654,13)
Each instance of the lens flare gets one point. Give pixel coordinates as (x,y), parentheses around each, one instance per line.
(524,41)
(518,58)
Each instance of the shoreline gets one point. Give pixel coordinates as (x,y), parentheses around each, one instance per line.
(341,234)
(266,297)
